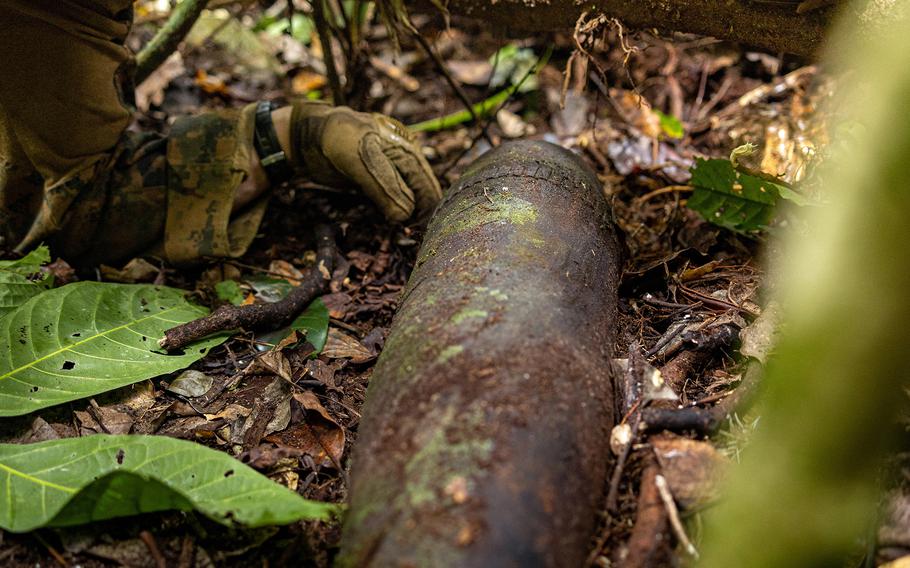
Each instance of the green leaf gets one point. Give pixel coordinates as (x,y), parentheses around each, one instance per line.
(229,291)
(302,27)
(512,65)
(730,199)
(21,279)
(78,480)
(671,125)
(790,195)
(314,322)
(88,338)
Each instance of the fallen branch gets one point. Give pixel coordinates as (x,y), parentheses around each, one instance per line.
(168,37)
(777,27)
(261,316)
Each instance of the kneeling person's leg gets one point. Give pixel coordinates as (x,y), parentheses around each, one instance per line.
(193,195)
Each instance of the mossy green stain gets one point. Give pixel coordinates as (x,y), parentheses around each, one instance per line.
(501,206)
(448,353)
(440,458)
(468,313)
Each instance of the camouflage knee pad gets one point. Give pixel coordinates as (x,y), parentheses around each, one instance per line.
(208,156)
(181,187)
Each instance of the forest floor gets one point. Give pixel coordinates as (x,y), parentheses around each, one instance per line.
(688,291)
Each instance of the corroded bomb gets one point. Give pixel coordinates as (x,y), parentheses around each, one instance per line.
(485,434)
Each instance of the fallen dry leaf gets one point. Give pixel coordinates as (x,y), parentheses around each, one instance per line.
(230,413)
(471,72)
(276,362)
(103,420)
(306,81)
(338,304)
(286,270)
(136,270)
(191,383)
(151,91)
(340,345)
(693,469)
(314,432)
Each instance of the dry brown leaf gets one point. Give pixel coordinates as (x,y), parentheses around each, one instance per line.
(101,420)
(306,81)
(314,432)
(230,413)
(211,84)
(340,345)
(136,270)
(151,91)
(471,72)
(321,372)
(286,270)
(693,469)
(276,362)
(638,112)
(338,304)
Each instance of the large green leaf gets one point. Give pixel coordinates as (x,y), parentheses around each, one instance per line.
(79,480)
(87,338)
(21,279)
(726,197)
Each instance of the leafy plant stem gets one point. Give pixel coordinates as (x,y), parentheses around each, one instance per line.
(168,37)
(487,107)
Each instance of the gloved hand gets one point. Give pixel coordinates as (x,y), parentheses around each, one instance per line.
(333,145)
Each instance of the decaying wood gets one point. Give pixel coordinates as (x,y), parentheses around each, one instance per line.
(483,438)
(261,316)
(775,26)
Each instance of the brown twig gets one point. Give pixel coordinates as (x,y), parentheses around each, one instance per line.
(669,189)
(150,543)
(58,558)
(673,514)
(704,420)
(328,54)
(187,552)
(261,316)
(646,544)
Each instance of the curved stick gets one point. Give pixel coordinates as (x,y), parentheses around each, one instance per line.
(261,316)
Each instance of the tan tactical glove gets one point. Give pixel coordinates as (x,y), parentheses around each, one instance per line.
(333,145)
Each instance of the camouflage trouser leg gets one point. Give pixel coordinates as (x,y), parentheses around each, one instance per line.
(116,208)
(168,197)
(70,173)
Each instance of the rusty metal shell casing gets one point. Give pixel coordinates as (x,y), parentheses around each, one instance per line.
(485,435)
